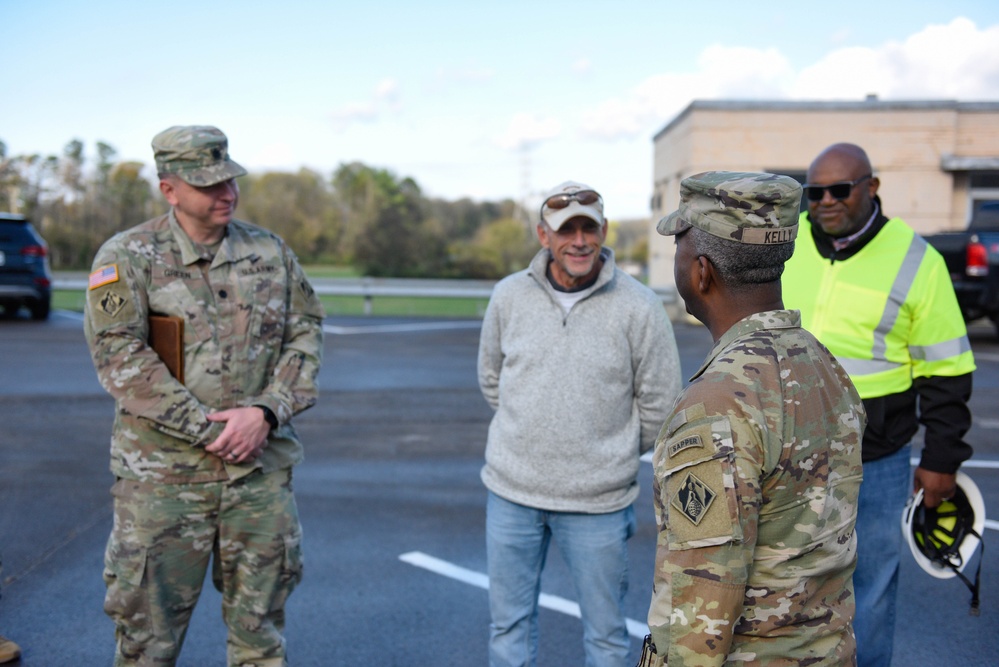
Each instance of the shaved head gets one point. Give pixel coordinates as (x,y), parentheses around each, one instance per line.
(848,154)
(837,164)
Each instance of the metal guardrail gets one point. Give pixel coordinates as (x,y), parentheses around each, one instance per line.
(371,288)
(351,289)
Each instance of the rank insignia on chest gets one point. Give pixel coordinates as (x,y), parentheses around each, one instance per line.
(693,499)
(111,304)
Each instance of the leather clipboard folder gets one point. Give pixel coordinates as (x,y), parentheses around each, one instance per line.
(166,337)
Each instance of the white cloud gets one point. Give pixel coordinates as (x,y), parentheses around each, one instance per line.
(354,112)
(526,130)
(759,74)
(460,77)
(277,155)
(845,74)
(582,66)
(956,61)
(840,36)
(387,89)
(384,97)
(950,61)
(953,61)
(743,72)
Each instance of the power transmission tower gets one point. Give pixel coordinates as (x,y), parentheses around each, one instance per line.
(525,213)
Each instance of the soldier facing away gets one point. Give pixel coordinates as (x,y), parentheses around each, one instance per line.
(203,468)
(757,469)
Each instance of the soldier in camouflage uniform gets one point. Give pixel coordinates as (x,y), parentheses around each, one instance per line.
(757,469)
(203,468)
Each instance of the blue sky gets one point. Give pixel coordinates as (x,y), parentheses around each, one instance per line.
(487,100)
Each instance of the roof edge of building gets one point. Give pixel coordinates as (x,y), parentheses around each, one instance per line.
(871,103)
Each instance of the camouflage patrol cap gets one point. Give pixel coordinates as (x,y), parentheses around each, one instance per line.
(747,207)
(197,154)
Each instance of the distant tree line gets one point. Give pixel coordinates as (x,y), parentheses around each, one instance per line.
(361,216)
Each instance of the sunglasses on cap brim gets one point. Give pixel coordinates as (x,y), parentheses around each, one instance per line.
(584,197)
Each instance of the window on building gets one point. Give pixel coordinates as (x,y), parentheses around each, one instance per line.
(983,188)
(984,179)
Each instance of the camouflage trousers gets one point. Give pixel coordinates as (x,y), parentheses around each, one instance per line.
(163,538)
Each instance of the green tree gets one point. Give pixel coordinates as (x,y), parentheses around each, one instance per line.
(384,224)
(498,249)
(75,210)
(461,219)
(299,207)
(364,216)
(25,181)
(8,180)
(87,208)
(129,195)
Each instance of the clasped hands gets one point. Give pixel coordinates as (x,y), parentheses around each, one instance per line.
(244,437)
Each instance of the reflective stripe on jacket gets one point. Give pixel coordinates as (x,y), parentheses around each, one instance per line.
(888,312)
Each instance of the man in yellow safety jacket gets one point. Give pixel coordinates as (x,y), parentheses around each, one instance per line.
(881,300)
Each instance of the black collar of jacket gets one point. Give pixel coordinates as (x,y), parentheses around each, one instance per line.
(824,242)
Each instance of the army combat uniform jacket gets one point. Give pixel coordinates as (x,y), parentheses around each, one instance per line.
(757,472)
(252,336)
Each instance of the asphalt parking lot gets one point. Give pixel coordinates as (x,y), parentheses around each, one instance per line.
(391,504)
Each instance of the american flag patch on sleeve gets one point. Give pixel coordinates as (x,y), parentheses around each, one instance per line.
(103,276)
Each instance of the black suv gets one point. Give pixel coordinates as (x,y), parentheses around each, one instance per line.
(25,278)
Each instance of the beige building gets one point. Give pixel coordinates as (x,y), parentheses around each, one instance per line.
(937,160)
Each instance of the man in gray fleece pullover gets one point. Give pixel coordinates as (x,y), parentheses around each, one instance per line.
(579,361)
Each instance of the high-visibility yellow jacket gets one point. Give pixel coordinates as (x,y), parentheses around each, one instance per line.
(886,308)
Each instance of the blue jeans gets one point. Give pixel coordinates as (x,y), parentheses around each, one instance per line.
(886,486)
(592,545)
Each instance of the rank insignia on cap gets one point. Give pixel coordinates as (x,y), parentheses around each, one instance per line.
(693,499)
(111,304)
(103,276)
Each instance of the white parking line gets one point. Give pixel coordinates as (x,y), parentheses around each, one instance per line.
(399,328)
(479,580)
(973,463)
(69,314)
(410,327)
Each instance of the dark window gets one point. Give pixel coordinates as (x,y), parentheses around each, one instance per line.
(977,204)
(984,179)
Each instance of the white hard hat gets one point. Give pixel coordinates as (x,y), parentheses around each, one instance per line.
(944,539)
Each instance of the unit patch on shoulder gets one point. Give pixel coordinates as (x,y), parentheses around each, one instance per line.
(686,443)
(111,304)
(103,276)
(693,499)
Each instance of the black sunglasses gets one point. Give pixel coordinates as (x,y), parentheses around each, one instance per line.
(584,197)
(836,190)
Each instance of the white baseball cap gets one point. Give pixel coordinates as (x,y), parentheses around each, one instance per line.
(570,200)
